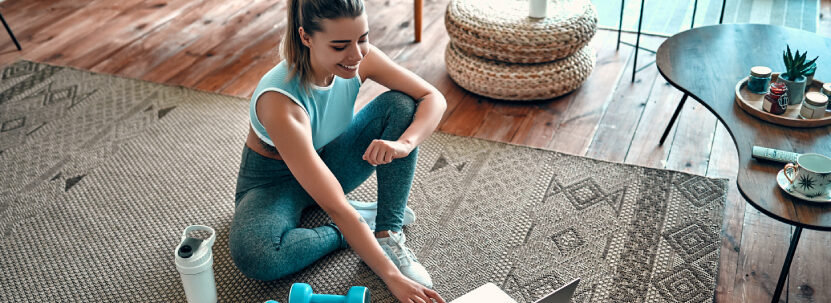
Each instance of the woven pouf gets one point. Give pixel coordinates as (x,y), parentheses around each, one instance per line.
(501,29)
(518,81)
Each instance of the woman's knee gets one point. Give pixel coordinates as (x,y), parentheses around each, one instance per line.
(398,103)
(258,260)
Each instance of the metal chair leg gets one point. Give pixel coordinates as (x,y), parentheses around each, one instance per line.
(695,7)
(8,29)
(637,42)
(620,25)
(672,120)
(721,18)
(786,268)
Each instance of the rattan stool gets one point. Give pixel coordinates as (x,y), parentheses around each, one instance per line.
(518,81)
(501,29)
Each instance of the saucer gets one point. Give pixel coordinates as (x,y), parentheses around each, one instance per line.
(785,185)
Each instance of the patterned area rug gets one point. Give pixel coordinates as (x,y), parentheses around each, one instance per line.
(101,174)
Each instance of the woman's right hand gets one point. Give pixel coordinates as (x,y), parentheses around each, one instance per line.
(409,291)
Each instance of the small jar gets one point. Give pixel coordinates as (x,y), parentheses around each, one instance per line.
(759,79)
(826,90)
(814,106)
(776,100)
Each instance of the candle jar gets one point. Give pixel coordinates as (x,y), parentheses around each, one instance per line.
(814,106)
(776,100)
(826,90)
(759,80)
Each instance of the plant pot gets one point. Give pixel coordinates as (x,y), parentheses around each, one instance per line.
(796,88)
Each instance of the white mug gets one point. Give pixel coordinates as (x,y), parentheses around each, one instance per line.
(811,175)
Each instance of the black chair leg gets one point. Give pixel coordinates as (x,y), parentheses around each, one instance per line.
(695,7)
(721,18)
(637,43)
(620,25)
(672,120)
(10,32)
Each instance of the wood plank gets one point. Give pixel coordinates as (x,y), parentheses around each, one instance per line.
(221,76)
(169,68)
(693,140)
(122,31)
(806,283)
(48,42)
(468,116)
(621,116)
(724,164)
(265,25)
(575,131)
(645,149)
(29,16)
(503,120)
(140,56)
(763,249)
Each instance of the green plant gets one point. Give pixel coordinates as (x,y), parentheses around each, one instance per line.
(795,65)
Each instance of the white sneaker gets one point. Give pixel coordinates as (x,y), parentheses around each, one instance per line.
(404,258)
(369,210)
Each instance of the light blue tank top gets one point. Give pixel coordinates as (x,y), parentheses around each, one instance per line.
(330,108)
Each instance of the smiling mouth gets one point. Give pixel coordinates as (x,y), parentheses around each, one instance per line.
(348,67)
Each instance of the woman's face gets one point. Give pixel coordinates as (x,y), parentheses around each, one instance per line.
(339,47)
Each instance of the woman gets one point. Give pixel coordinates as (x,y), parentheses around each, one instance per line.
(304,147)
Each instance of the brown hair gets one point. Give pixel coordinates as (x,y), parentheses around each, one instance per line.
(309,14)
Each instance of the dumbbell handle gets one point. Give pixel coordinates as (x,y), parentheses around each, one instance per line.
(324,298)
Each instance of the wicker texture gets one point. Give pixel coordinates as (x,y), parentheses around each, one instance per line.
(501,29)
(517,81)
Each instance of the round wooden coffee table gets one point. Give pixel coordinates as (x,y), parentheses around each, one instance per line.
(706,63)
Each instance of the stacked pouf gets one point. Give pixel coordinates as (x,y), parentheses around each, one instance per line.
(497,51)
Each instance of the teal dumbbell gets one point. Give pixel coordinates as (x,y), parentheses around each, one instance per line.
(302,293)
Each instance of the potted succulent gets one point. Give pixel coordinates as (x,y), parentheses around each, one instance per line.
(794,77)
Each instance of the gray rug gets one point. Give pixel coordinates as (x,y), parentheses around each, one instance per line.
(101,174)
(671,17)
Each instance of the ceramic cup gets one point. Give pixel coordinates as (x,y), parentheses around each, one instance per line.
(811,175)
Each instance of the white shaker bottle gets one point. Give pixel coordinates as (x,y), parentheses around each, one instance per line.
(194,260)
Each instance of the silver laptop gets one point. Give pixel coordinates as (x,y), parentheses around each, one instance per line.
(493,294)
(561,295)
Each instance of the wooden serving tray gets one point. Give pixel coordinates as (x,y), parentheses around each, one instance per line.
(752,104)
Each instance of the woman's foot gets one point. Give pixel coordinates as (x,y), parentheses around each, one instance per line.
(403,257)
(369,210)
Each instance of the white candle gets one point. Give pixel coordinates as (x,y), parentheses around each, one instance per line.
(538,9)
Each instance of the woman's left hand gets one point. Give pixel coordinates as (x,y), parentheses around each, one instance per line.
(383,151)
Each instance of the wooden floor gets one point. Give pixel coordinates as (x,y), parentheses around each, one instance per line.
(226,46)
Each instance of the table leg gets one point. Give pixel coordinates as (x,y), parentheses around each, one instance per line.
(723,4)
(672,120)
(8,29)
(787,266)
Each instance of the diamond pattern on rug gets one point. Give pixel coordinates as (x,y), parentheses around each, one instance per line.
(95,163)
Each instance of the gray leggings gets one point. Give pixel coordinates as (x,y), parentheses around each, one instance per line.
(265,242)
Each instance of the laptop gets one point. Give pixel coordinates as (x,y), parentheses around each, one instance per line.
(492,293)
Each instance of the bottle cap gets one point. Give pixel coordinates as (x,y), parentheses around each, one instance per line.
(760,71)
(778,88)
(816,99)
(194,255)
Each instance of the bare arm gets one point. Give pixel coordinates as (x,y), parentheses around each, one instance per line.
(289,126)
(378,67)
